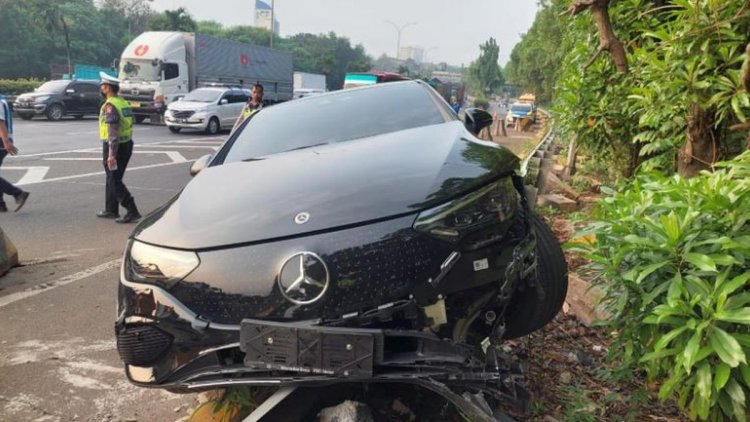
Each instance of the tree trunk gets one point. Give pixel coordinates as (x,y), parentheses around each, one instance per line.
(67,44)
(570,167)
(700,149)
(607,39)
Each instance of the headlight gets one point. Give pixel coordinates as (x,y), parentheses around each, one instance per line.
(152,264)
(474,220)
(41,99)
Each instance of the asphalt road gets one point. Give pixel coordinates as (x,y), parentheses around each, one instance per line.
(58,360)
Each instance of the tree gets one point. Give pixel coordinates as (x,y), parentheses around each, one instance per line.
(51,17)
(485,74)
(173,20)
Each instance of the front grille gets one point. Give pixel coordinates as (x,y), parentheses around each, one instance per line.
(369,266)
(182,114)
(142,345)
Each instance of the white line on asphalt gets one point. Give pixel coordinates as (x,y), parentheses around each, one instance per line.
(98,173)
(137,145)
(33,174)
(175,156)
(72,159)
(33,291)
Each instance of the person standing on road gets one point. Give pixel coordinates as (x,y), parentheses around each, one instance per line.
(254,103)
(7,147)
(116,134)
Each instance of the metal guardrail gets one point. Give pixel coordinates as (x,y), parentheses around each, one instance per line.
(537,164)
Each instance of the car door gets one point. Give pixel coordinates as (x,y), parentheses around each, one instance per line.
(225,110)
(72,98)
(91,98)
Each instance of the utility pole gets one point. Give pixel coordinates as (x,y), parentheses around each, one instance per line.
(398,30)
(272,23)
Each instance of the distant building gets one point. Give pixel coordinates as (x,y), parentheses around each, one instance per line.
(448,77)
(263,13)
(414,53)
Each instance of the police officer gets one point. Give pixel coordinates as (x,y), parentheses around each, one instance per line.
(116,134)
(254,103)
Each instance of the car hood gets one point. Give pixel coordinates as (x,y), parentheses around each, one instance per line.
(338,185)
(32,95)
(188,106)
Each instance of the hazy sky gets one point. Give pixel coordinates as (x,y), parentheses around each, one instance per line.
(449,31)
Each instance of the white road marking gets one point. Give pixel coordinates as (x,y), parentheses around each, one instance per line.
(72,159)
(99,173)
(33,174)
(175,156)
(33,291)
(137,145)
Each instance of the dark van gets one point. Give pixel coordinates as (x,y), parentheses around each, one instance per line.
(55,99)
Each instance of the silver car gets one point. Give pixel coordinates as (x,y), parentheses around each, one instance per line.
(206,109)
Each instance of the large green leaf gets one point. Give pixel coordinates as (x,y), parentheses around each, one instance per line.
(728,349)
(738,316)
(704,262)
(722,376)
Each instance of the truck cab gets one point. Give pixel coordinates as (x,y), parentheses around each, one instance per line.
(153,71)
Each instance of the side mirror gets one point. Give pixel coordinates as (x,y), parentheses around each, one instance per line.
(223,101)
(476,119)
(70,91)
(200,164)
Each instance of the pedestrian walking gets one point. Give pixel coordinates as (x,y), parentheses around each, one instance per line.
(254,103)
(7,147)
(116,134)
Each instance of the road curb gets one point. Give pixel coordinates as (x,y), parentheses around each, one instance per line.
(8,253)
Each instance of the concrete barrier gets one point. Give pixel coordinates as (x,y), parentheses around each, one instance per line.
(8,254)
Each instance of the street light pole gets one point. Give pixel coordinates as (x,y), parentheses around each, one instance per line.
(399,29)
(272,24)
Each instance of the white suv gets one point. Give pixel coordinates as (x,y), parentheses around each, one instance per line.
(206,109)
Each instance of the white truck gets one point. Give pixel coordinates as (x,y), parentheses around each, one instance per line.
(157,68)
(306,84)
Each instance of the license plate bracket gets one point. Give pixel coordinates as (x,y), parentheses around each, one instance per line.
(333,351)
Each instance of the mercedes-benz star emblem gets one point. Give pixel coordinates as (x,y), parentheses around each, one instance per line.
(302,218)
(303,278)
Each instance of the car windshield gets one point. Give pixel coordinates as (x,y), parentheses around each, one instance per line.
(202,96)
(342,116)
(139,70)
(55,87)
(524,108)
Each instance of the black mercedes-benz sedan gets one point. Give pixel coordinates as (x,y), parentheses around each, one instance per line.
(363,234)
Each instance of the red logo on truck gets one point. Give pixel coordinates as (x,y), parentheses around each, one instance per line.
(141,50)
(244,59)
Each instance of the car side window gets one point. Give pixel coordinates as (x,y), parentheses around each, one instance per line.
(239,97)
(87,89)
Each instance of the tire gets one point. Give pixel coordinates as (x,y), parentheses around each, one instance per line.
(528,312)
(55,112)
(78,116)
(26,116)
(213,127)
(139,118)
(174,129)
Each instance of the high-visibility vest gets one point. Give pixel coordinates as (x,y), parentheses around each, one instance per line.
(125,127)
(247,111)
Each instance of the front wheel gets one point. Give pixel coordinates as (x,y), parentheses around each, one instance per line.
(212,128)
(55,112)
(174,129)
(529,311)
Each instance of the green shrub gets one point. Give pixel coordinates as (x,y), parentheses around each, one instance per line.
(18,86)
(482,103)
(674,256)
